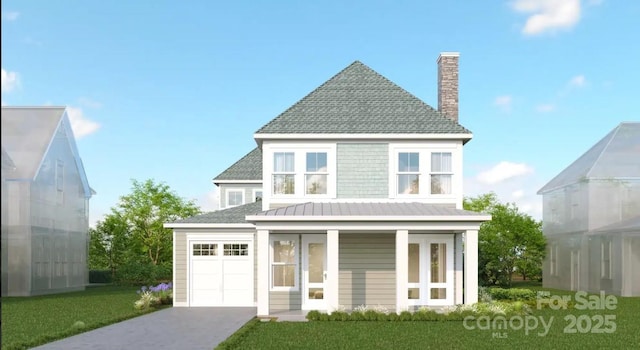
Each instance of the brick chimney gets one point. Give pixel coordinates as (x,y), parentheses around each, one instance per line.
(448,84)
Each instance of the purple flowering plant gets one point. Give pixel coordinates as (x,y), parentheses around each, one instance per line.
(150,296)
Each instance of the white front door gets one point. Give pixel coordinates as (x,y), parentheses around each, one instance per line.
(314,268)
(430,270)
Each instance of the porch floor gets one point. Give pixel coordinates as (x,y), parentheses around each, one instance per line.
(289,316)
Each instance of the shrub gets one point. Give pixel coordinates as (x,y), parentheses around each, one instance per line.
(339,316)
(313,315)
(405,316)
(145,274)
(515,294)
(100,276)
(162,294)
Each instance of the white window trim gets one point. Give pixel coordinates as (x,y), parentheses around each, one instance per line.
(285,237)
(294,173)
(425,150)
(431,172)
(398,173)
(233,190)
(315,173)
(300,150)
(553,259)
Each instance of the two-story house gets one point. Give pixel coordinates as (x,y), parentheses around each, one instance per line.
(45,203)
(359,188)
(591,218)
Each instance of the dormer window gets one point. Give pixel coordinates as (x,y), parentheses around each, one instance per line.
(284,175)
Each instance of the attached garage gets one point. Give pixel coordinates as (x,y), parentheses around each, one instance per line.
(221,272)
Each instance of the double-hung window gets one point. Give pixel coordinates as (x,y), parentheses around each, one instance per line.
(284,263)
(284,175)
(441,173)
(408,173)
(316,174)
(235,198)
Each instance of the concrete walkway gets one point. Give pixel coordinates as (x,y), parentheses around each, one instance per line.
(175,328)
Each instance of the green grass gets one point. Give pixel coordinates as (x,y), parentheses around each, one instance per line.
(441,334)
(27,322)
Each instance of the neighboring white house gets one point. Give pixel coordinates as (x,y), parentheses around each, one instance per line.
(591,218)
(45,203)
(360,187)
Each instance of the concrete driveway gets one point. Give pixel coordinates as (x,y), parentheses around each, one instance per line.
(174,328)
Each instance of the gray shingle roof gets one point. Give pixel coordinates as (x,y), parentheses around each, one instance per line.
(368,209)
(248,167)
(614,156)
(358,100)
(235,215)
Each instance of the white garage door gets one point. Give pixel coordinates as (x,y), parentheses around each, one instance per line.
(221,273)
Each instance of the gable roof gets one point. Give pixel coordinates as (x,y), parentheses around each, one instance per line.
(26,135)
(358,100)
(235,215)
(614,156)
(248,168)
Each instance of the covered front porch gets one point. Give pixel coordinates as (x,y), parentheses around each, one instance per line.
(395,256)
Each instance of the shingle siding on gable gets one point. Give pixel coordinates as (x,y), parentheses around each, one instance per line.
(363,170)
(247,189)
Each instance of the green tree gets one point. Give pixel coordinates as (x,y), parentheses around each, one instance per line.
(511,241)
(109,242)
(145,210)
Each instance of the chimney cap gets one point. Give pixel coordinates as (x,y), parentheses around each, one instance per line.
(448,54)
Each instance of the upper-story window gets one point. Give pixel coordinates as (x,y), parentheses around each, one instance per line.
(441,173)
(408,173)
(59,175)
(257,195)
(284,173)
(235,197)
(316,173)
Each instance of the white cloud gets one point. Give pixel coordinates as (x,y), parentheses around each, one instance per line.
(545,108)
(80,124)
(210,201)
(548,15)
(87,102)
(10,15)
(578,81)
(504,171)
(517,194)
(503,102)
(521,191)
(9,80)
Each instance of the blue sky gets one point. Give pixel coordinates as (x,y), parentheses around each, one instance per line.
(175,90)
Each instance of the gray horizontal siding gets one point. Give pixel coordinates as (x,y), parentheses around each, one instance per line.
(367,270)
(285,301)
(363,170)
(180,283)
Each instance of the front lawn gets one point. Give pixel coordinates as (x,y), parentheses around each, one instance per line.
(450,334)
(27,322)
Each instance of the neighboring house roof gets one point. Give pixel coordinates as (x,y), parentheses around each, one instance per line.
(382,211)
(235,215)
(247,168)
(615,156)
(630,225)
(358,100)
(7,162)
(27,133)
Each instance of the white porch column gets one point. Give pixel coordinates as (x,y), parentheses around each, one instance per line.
(262,244)
(402,269)
(471,267)
(332,285)
(459,275)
